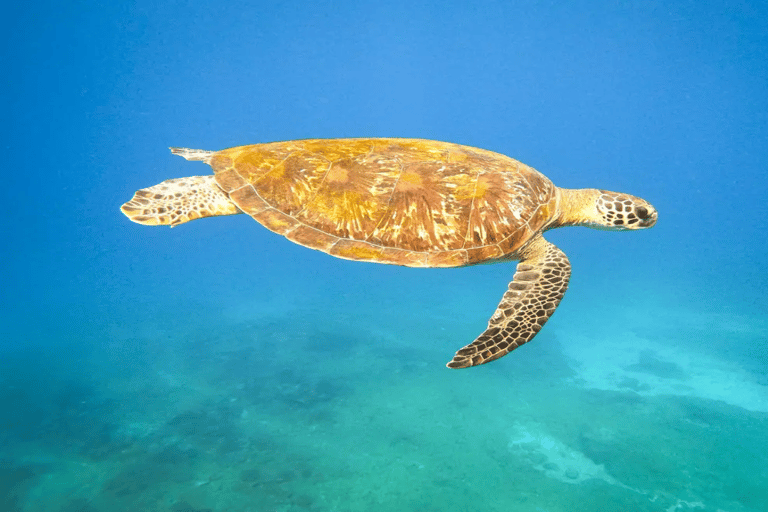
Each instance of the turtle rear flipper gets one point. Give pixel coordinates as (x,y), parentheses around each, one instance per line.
(539,283)
(177,201)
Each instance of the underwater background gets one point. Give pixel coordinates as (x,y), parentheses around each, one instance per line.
(219,367)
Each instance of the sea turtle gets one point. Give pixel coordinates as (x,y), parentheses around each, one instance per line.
(411,202)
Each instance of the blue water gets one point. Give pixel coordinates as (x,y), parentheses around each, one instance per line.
(219,367)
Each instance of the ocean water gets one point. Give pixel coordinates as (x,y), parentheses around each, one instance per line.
(219,367)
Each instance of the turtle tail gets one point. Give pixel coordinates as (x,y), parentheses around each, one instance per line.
(201,155)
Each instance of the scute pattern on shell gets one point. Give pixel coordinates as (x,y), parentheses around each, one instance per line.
(403,201)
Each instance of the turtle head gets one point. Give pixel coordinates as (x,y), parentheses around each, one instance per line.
(623,211)
(602,209)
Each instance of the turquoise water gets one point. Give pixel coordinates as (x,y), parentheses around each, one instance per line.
(219,367)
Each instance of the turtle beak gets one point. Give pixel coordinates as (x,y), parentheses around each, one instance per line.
(647,215)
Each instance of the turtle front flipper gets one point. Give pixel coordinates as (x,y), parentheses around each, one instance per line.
(177,201)
(535,291)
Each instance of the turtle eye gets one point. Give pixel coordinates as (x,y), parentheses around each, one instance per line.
(642,212)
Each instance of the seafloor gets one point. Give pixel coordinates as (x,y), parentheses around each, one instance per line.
(330,409)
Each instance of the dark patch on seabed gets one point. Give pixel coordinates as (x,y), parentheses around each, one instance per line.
(78,505)
(15,480)
(56,413)
(649,363)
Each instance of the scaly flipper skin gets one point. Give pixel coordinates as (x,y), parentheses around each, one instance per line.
(175,202)
(535,291)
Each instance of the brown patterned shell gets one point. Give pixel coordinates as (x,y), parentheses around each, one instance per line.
(408,202)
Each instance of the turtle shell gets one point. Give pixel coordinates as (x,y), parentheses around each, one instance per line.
(410,202)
